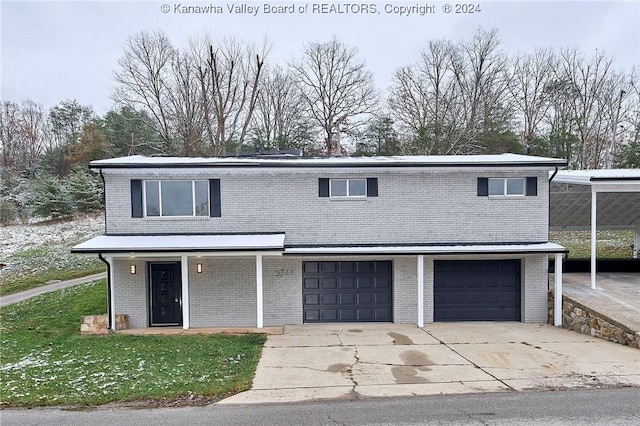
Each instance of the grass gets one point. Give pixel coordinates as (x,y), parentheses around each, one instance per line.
(34,267)
(45,361)
(609,244)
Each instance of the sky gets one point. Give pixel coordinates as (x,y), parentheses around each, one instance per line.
(56,50)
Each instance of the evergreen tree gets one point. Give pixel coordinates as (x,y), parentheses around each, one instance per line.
(51,198)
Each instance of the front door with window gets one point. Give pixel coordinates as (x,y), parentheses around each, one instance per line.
(165,290)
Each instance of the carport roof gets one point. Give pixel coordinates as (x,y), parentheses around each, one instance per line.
(618,199)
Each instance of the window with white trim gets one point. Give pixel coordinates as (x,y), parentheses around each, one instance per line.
(511,187)
(176,198)
(348,188)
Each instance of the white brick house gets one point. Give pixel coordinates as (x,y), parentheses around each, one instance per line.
(218,242)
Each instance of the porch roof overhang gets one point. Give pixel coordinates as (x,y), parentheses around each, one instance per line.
(417,249)
(183,244)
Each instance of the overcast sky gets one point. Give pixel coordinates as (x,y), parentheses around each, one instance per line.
(51,51)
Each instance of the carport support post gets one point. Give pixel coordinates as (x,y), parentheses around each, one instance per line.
(593,238)
(420,290)
(259,302)
(557,290)
(184,267)
(112,293)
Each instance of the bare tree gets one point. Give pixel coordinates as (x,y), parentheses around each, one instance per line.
(144,77)
(229,72)
(598,91)
(454,96)
(278,122)
(185,106)
(336,87)
(10,133)
(528,87)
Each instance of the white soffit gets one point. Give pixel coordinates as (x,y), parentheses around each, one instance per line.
(432,249)
(181,243)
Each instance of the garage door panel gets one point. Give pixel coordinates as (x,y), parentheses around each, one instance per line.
(330,299)
(347,282)
(383,315)
(364,282)
(347,291)
(347,299)
(312,299)
(365,299)
(311,315)
(329,283)
(328,266)
(477,290)
(382,282)
(347,315)
(311,283)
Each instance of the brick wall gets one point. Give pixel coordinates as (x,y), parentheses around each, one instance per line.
(535,285)
(425,206)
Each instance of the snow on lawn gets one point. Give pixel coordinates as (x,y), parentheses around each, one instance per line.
(16,238)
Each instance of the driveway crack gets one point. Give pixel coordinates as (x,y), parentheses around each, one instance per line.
(469,361)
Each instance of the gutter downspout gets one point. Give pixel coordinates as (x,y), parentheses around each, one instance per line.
(109,307)
(550,179)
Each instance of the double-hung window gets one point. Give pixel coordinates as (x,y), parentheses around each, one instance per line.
(348,188)
(176,198)
(507,186)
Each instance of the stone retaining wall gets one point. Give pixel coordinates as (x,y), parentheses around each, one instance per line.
(584,320)
(99,324)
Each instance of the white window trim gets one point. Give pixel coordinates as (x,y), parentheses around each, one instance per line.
(504,188)
(193,198)
(347,185)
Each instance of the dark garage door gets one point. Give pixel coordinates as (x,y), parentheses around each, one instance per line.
(477,290)
(346,291)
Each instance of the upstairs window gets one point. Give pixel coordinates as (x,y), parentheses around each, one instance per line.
(176,198)
(347,188)
(508,187)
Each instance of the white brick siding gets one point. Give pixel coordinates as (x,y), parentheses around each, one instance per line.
(412,207)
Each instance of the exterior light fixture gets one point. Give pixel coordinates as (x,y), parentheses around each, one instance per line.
(132,269)
(199,268)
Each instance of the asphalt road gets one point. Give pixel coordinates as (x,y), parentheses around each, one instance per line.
(571,407)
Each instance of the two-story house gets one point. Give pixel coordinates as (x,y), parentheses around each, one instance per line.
(242,242)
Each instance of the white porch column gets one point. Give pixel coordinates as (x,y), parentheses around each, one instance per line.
(593,238)
(259,307)
(112,293)
(557,291)
(184,267)
(420,290)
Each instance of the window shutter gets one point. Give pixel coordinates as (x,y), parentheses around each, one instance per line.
(372,187)
(136,198)
(215,209)
(532,186)
(483,187)
(323,187)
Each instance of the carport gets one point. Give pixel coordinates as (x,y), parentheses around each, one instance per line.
(596,199)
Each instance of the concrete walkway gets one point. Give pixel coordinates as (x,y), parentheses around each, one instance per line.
(351,361)
(617,295)
(24,295)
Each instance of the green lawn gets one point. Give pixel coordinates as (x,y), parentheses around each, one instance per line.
(609,244)
(34,267)
(45,360)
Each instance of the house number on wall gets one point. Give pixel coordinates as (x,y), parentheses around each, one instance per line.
(280,273)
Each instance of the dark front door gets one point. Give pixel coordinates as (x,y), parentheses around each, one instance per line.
(166,293)
(346,291)
(476,290)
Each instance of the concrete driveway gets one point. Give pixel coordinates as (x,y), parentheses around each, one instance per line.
(350,361)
